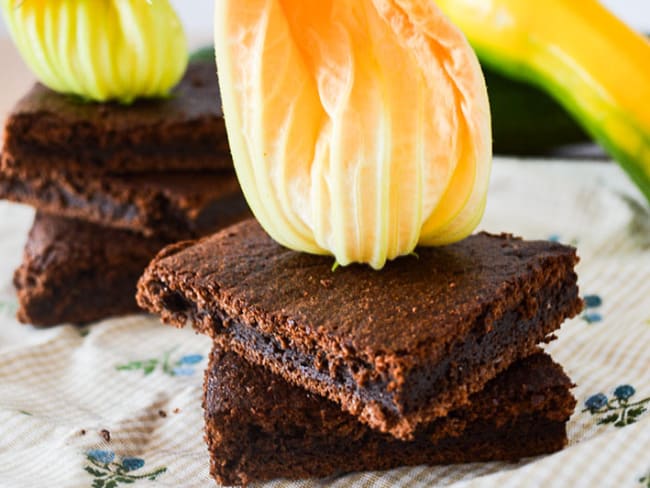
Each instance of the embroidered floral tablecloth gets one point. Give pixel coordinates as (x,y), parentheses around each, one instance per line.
(119,402)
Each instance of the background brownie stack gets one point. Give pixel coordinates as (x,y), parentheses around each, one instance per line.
(434,359)
(113,184)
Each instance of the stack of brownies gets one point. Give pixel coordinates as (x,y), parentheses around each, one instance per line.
(434,359)
(112,185)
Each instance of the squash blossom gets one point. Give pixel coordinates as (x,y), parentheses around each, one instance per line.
(358,128)
(100,49)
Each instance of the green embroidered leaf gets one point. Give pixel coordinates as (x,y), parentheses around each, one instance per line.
(149,368)
(609,419)
(98,484)
(620,423)
(133,365)
(95,472)
(111,484)
(635,412)
(168,366)
(123,479)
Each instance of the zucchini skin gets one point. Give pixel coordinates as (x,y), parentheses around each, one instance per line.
(578,52)
(525,120)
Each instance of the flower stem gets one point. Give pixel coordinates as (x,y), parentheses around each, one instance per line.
(156,472)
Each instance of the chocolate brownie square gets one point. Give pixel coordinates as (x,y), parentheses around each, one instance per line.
(171,205)
(48,131)
(396,348)
(259,427)
(77,272)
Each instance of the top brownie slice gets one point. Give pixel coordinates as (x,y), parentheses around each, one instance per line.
(184,131)
(397,347)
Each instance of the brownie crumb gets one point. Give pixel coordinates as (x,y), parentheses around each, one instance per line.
(162,413)
(177,410)
(106,435)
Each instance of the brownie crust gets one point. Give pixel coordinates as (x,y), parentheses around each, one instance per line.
(173,206)
(395,348)
(75,272)
(78,272)
(185,131)
(259,427)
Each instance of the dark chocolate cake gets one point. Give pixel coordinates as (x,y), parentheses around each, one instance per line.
(175,206)
(259,427)
(396,348)
(48,131)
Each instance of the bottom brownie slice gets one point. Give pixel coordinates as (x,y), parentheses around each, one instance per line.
(78,272)
(259,427)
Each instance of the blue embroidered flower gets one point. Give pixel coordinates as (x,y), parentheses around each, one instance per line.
(110,474)
(592,318)
(101,456)
(190,359)
(593,301)
(624,392)
(591,314)
(596,402)
(619,410)
(558,239)
(183,371)
(132,464)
